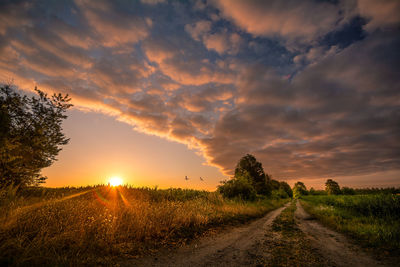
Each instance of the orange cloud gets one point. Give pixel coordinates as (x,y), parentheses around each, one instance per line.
(289,19)
(114,28)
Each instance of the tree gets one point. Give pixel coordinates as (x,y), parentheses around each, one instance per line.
(239,186)
(259,180)
(274,184)
(332,187)
(286,187)
(30,134)
(299,189)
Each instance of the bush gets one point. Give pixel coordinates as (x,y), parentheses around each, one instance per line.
(285,187)
(348,191)
(238,187)
(278,194)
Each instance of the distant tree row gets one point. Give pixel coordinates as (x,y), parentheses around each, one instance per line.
(251,181)
(333,188)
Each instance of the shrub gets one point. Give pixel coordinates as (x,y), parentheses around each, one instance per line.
(278,194)
(238,187)
(348,191)
(285,187)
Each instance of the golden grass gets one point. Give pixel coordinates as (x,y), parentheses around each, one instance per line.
(107,224)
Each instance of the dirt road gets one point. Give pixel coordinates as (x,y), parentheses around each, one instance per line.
(331,244)
(277,239)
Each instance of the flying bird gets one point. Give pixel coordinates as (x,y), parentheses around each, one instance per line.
(186,178)
(201,179)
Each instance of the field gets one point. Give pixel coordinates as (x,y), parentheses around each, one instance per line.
(373,220)
(102,224)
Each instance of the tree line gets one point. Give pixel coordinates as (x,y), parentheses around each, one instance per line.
(250,181)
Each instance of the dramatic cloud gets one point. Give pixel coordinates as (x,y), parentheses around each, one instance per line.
(311,87)
(304,21)
(379,13)
(113,27)
(329,120)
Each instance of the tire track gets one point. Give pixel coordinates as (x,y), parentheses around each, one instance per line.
(237,247)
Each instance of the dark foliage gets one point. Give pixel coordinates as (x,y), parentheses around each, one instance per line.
(367,191)
(259,180)
(332,187)
(286,187)
(314,192)
(238,187)
(348,191)
(30,134)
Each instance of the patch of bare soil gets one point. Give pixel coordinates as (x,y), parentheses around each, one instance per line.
(332,245)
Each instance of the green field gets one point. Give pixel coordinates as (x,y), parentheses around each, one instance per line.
(97,225)
(373,220)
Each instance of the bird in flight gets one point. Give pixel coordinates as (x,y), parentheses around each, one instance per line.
(201,179)
(186,178)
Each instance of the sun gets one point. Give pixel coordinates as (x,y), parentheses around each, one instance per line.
(115,181)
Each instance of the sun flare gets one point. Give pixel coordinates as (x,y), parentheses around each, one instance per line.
(115,181)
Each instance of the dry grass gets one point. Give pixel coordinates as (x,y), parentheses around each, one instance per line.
(101,224)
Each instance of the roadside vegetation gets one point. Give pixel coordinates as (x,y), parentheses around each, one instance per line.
(102,223)
(370,215)
(374,220)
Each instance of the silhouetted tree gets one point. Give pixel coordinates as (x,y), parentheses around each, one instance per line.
(332,187)
(299,189)
(30,134)
(259,180)
(286,187)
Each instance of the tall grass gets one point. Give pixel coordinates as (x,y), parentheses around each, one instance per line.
(99,225)
(372,219)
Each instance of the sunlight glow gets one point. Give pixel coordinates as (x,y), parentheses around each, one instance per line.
(115,181)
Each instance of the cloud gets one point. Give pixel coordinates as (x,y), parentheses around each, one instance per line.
(152,2)
(221,41)
(198,29)
(332,119)
(293,20)
(380,13)
(188,66)
(227,86)
(114,28)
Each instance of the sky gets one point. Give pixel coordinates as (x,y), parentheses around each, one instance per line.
(167,89)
